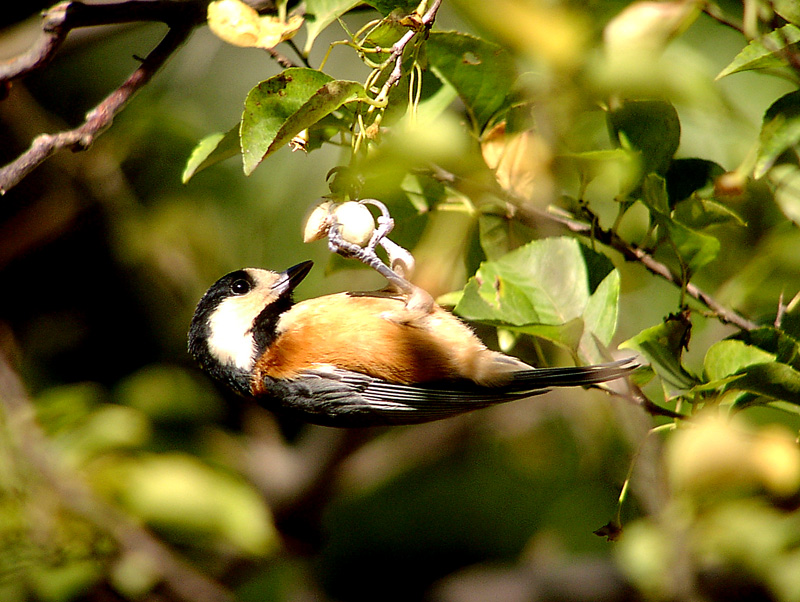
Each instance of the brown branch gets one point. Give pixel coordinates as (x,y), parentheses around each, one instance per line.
(396,53)
(59,20)
(180,577)
(99,118)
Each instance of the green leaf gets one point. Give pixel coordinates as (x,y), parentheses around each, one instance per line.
(387,6)
(320,14)
(783,346)
(698,213)
(210,150)
(728,357)
(786,180)
(780,131)
(543,289)
(772,380)
(686,176)
(650,127)
(694,248)
(663,346)
(483,73)
(279,108)
(763,53)
(182,495)
(618,165)
(788,9)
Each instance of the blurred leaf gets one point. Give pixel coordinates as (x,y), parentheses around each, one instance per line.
(187,498)
(620,165)
(483,73)
(728,357)
(694,248)
(686,176)
(650,127)
(387,6)
(780,131)
(279,108)
(663,346)
(211,150)
(239,24)
(697,213)
(63,408)
(763,53)
(169,394)
(786,180)
(500,234)
(542,289)
(109,428)
(320,14)
(788,9)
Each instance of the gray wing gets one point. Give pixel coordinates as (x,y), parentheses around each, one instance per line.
(336,397)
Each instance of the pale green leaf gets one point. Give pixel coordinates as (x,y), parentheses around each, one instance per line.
(763,52)
(211,150)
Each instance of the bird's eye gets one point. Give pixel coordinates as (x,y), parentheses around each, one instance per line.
(240,287)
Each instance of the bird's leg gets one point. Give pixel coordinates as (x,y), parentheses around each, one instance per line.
(402,262)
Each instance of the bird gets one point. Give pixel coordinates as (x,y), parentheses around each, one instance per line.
(358,359)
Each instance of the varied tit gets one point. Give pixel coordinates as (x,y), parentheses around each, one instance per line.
(358,359)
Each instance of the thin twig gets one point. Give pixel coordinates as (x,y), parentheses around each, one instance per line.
(633,253)
(610,238)
(396,54)
(59,20)
(185,581)
(98,119)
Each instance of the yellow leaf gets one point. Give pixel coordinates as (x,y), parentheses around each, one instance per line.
(239,24)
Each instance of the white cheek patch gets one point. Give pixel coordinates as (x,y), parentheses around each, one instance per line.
(231,339)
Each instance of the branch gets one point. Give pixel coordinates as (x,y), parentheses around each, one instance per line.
(633,253)
(99,118)
(185,581)
(59,20)
(396,54)
(610,238)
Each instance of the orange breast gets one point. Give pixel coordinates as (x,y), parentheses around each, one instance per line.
(374,335)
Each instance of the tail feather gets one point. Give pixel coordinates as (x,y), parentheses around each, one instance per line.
(540,378)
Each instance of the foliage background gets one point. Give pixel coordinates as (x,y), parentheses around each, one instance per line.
(104,254)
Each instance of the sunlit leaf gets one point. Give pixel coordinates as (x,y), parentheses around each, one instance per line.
(780,131)
(483,73)
(771,380)
(725,358)
(763,53)
(239,24)
(543,289)
(650,127)
(785,348)
(211,150)
(320,14)
(279,108)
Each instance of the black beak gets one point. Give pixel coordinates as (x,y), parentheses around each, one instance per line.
(292,277)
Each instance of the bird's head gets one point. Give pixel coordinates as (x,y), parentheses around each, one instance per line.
(235,320)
